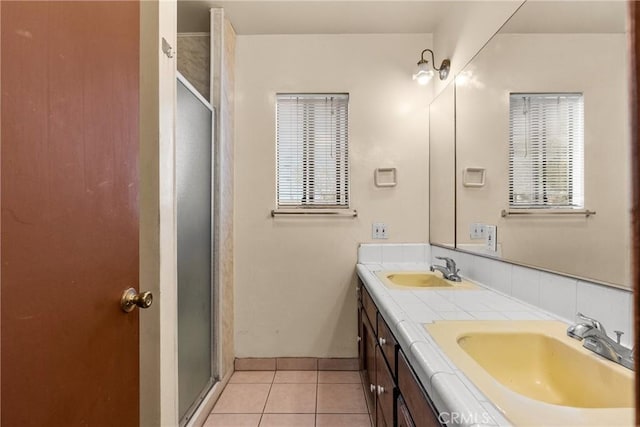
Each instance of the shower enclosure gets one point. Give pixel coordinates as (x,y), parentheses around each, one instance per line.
(194,187)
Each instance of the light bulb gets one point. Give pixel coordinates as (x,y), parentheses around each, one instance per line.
(423,74)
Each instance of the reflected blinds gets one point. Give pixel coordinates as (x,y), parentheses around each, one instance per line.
(312,153)
(546,151)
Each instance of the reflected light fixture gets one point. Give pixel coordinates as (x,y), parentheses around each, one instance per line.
(424,73)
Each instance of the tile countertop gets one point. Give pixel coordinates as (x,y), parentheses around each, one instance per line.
(457,399)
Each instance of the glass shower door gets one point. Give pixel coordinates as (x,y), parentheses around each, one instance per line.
(194,163)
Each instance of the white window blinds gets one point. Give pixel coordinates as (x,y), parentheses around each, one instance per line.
(312,152)
(546,151)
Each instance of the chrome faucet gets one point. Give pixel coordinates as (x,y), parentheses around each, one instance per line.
(594,337)
(450,272)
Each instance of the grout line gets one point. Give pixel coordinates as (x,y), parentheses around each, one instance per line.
(317,392)
(267,399)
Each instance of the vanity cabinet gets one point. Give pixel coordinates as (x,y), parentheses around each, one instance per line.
(394,395)
(417,402)
(404,418)
(385,389)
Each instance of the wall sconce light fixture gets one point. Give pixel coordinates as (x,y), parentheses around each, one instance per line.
(424,73)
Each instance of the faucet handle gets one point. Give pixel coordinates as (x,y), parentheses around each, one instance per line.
(596,324)
(619,334)
(451,264)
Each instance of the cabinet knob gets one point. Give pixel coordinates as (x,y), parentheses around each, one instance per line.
(372,388)
(382,341)
(380,390)
(359,338)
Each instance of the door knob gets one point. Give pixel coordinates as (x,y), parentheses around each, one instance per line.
(131,298)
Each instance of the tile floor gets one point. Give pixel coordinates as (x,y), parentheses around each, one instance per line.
(291,399)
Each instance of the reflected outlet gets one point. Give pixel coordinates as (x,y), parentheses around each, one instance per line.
(477,231)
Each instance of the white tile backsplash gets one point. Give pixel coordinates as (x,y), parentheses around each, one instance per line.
(559,295)
(525,284)
(369,254)
(413,252)
(391,253)
(612,307)
(501,276)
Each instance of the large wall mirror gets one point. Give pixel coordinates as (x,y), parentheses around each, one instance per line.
(442,187)
(542,143)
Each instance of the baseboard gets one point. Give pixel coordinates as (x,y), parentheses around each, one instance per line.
(296,364)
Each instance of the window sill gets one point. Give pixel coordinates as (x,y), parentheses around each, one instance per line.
(350,213)
(516,212)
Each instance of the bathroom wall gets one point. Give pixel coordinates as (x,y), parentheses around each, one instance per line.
(463,33)
(295,291)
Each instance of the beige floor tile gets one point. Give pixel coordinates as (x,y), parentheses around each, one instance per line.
(341,399)
(291,399)
(343,420)
(339,377)
(252,377)
(288,420)
(232,420)
(242,399)
(296,377)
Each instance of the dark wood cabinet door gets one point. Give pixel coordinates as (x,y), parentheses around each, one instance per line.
(388,344)
(420,406)
(369,364)
(385,388)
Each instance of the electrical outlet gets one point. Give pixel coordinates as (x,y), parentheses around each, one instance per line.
(491,237)
(378,230)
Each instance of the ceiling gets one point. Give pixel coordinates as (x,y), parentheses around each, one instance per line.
(397,16)
(318,17)
(569,17)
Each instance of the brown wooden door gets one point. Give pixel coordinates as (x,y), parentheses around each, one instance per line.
(69,213)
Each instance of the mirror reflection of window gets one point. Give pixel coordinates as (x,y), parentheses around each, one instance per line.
(546,151)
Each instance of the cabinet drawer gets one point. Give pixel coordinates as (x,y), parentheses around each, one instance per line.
(388,344)
(385,388)
(370,308)
(404,418)
(420,406)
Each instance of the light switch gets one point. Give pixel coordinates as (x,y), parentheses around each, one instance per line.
(491,237)
(378,230)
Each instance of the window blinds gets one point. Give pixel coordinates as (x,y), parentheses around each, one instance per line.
(312,153)
(546,151)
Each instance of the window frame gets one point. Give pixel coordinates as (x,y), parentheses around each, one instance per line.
(311,148)
(575,148)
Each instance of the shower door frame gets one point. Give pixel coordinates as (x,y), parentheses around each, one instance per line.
(215,345)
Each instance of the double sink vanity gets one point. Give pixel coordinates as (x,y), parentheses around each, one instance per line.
(442,352)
